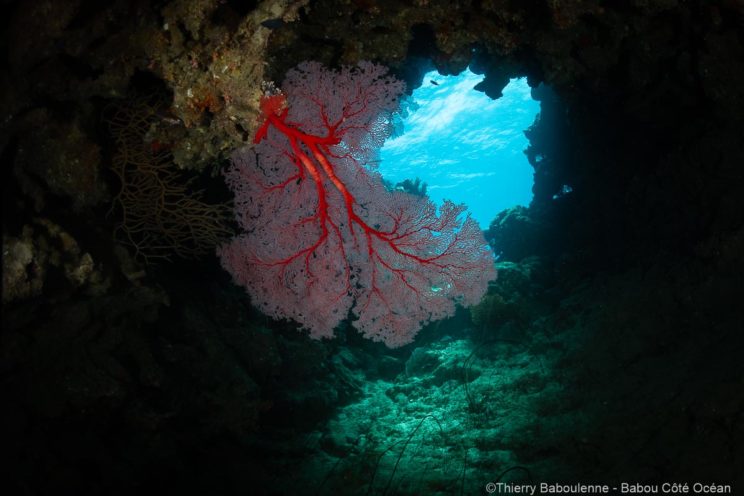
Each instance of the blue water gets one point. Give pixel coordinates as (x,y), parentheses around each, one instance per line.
(465,146)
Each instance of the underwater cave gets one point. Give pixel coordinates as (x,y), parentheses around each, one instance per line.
(157,154)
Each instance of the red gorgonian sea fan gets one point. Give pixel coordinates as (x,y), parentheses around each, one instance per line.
(323,235)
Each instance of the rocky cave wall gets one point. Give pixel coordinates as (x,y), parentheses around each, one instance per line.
(639,78)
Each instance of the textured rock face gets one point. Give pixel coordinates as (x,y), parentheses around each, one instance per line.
(614,335)
(647,115)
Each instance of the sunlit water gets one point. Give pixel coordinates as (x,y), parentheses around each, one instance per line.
(465,146)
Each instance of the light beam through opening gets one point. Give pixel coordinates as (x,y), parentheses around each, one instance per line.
(465,146)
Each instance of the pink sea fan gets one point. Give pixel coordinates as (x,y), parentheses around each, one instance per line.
(323,236)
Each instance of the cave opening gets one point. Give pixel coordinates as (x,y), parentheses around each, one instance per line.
(456,143)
